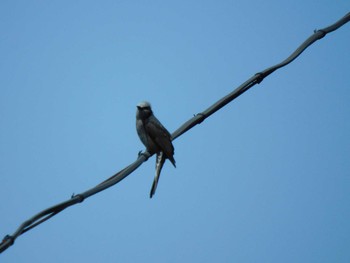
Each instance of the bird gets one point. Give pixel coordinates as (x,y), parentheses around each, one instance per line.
(155,137)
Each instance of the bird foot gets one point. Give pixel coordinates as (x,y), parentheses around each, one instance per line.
(144,154)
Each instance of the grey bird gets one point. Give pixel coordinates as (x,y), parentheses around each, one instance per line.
(155,137)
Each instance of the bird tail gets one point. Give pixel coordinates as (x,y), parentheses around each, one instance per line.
(160,160)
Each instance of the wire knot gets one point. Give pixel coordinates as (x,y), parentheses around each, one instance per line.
(323,33)
(202,117)
(9,239)
(80,197)
(259,77)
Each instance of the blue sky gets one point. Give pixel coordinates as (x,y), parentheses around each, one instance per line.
(265,179)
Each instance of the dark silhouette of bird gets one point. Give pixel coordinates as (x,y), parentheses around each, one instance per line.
(155,137)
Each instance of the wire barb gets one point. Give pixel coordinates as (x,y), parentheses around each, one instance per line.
(143,156)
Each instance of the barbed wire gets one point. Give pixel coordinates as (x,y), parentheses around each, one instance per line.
(142,157)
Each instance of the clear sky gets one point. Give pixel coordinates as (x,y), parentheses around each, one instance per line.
(265,179)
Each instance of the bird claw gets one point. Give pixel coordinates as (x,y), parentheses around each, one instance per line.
(145,154)
(141,153)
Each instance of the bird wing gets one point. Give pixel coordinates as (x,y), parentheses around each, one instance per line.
(161,137)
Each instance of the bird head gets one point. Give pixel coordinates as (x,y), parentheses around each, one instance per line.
(144,110)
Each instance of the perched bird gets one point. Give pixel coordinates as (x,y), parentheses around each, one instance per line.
(155,137)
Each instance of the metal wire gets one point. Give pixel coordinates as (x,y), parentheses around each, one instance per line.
(197,119)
